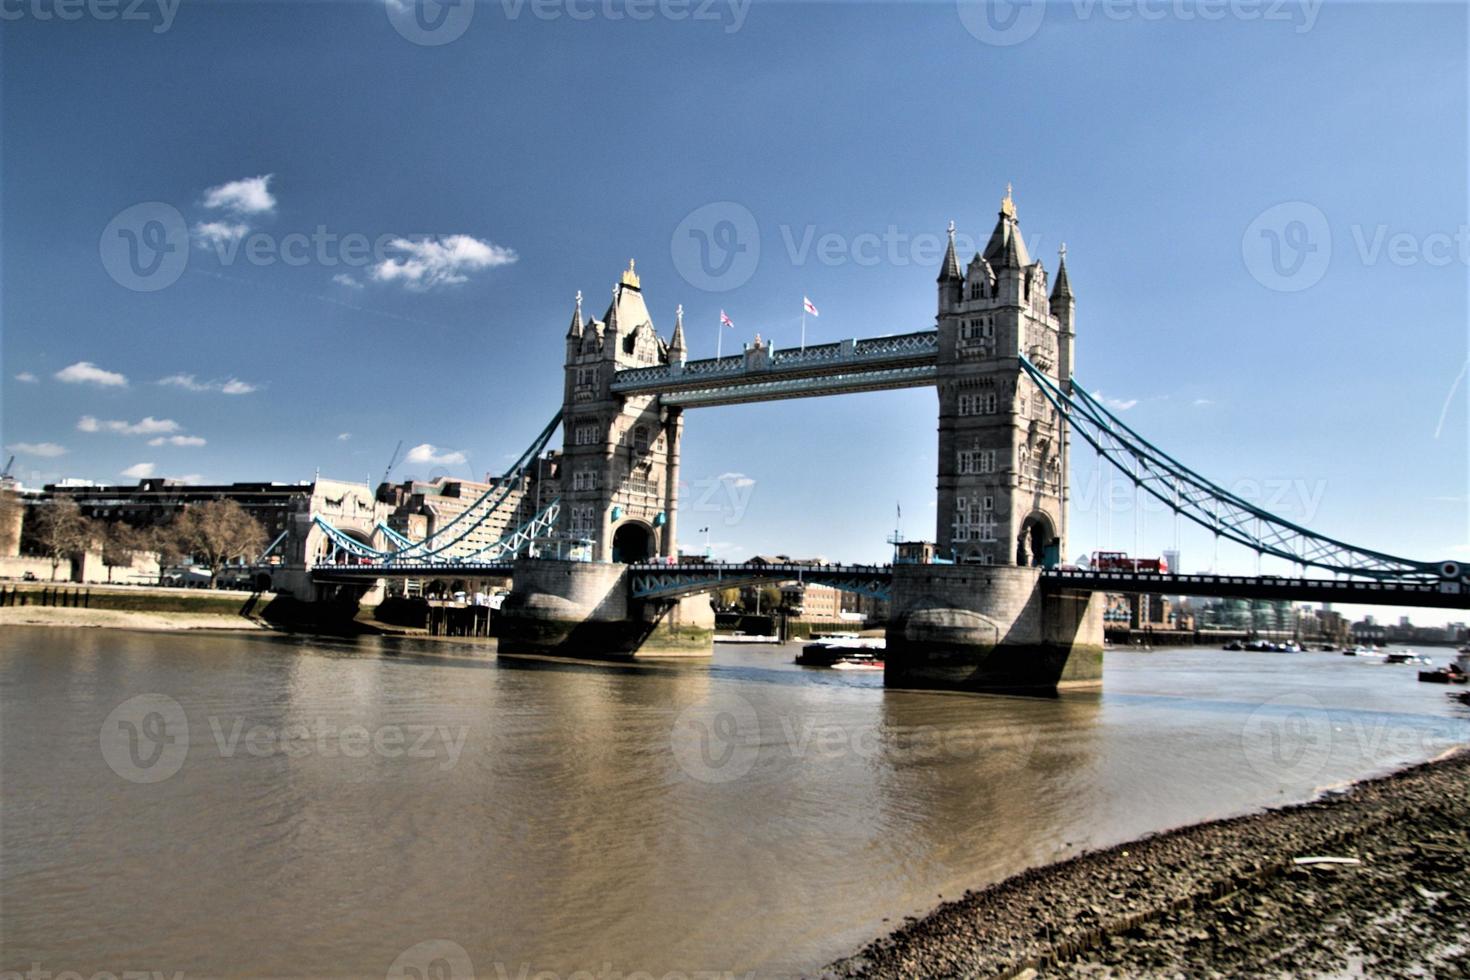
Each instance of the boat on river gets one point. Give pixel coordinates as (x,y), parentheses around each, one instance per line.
(830,651)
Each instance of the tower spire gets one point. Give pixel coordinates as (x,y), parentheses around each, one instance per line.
(676,345)
(1063,288)
(575,330)
(949,270)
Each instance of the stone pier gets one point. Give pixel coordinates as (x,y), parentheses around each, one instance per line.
(583,609)
(990,628)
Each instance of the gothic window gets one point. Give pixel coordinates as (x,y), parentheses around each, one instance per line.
(640,438)
(584,480)
(585,433)
(584,521)
(973,521)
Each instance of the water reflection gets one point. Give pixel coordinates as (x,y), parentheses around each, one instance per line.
(344,802)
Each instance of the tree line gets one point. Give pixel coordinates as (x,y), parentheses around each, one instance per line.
(214,533)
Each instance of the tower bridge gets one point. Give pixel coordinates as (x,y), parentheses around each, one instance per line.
(594,570)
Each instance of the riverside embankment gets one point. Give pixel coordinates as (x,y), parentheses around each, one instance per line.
(1228,898)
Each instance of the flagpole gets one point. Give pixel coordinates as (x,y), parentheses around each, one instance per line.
(719,339)
(803,324)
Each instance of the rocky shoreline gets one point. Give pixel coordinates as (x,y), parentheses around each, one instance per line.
(1228,898)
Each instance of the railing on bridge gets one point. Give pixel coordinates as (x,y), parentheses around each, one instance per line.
(664,581)
(1443,594)
(921,347)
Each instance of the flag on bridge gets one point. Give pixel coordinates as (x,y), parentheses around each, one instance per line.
(725,320)
(807,306)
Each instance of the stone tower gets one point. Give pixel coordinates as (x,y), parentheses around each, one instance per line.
(1003,450)
(620,456)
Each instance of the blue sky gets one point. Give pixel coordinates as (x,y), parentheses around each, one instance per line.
(563,138)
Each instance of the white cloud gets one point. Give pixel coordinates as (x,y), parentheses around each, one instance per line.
(213,234)
(47,449)
(1202,402)
(1116,404)
(233,386)
(249,195)
(343,436)
(434,456)
(736,479)
(177,441)
(188,478)
(444,261)
(26,376)
(343,279)
(138,471)
(85,372)
(147,427)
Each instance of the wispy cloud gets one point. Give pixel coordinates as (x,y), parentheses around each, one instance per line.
(736,479)
(147,427)
(213,234)
(249,195)
(177,441)
(424,263)
(343,279)
(431,455)
(343,436)
(46,449)
(26,377)
(233,386)
(1116,404)
(139,471)
(87,373)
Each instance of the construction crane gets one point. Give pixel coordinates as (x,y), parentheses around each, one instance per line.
(392,462)
(5,473)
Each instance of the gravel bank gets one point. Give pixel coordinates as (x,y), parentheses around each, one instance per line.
(1227,899)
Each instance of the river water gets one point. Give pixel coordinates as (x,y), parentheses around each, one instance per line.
(260,805)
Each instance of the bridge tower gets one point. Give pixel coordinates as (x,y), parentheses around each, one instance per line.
(1002,486)
(619,495)
(620,455)
(985,622)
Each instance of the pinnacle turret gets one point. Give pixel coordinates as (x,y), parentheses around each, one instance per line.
(949,270)
(1063,288)
(575,330)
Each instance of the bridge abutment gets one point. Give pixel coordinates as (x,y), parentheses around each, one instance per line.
(584,609)
(990,628)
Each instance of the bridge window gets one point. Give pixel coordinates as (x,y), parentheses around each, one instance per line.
(586,434)
(973,520)
(977,461)
(640,438)
(584,521)
(584,480)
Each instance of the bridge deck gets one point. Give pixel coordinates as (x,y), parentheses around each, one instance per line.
(1444,595)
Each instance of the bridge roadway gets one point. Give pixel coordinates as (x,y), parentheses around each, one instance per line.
(660,580)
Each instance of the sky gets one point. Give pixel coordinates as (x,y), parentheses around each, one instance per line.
(258,241)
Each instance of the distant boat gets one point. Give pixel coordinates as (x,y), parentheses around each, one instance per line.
(827,653)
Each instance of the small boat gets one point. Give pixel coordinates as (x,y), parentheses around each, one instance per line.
(1444,675)
(827,653)
(739,637)
(1404,657)
(858,661)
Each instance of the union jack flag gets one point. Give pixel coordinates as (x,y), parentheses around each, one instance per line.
(725,320)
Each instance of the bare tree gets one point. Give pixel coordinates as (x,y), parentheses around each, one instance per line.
(60,530)
(163,539)
(219,531)
(121,543)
